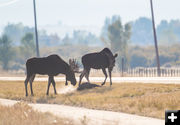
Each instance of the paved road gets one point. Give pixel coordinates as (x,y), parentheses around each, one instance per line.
(163,80)
(97,117)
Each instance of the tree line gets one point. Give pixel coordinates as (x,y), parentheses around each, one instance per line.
(133,41)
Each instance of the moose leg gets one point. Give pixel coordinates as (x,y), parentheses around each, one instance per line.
(87,75)
(110,76)
(31,81)
(104,71)
(25,83)
(49,83)
(66,83)
(81,76)
(54,85)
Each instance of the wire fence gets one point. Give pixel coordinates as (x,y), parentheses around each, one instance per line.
(143,72)
(152,72)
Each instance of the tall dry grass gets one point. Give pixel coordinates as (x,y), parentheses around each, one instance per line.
(143,99)
(22,114)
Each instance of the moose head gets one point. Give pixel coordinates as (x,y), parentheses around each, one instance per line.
(74,65)
(74,68)
(112,60)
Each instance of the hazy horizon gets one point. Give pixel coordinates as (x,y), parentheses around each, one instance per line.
(84,14)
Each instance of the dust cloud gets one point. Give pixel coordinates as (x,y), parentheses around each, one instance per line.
(66,89)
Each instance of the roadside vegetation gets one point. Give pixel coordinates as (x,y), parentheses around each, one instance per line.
(142,99)
(22,114)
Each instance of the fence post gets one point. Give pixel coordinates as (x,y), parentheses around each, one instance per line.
(122,67)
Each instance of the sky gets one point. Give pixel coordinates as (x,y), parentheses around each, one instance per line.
(84,13)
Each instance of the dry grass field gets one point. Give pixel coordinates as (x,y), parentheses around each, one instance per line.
(142,99)
(22,114)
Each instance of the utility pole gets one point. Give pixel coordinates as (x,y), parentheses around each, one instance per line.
(36,32)
(155,40)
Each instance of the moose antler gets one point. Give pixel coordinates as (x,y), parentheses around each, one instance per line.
(74,65)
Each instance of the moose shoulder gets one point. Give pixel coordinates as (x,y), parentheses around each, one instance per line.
(51,66)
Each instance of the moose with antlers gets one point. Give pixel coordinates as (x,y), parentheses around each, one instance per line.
(99,60)
(51,66)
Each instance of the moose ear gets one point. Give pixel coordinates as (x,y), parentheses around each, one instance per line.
(115,55)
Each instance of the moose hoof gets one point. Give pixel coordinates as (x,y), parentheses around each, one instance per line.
(102,83)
